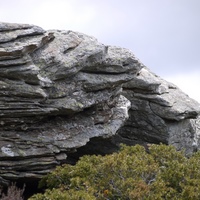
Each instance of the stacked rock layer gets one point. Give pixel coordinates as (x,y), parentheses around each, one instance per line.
(60,89)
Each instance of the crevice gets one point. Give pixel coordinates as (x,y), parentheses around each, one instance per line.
(69,49)
(15,29)
(102,72)
(21,37)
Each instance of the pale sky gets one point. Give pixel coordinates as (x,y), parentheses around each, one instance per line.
(163,34)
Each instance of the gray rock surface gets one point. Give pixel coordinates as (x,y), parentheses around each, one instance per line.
(63,90)
(160,113)
(58,89)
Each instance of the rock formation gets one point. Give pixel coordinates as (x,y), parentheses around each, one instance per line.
(160,113)
(61,91)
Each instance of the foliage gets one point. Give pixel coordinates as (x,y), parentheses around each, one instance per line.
(131,173)
(13,193)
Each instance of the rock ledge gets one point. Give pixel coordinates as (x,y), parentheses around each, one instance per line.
(59,90)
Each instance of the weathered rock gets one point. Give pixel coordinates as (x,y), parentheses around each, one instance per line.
(58,89)
(63,91)
(160,113)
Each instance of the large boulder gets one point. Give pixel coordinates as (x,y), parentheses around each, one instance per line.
(58,89)
(63,92)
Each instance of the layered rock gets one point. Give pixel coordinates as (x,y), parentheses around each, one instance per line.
(62,90)
(160,113)
(58,89)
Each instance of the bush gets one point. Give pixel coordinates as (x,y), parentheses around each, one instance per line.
(132,173)
(13,193)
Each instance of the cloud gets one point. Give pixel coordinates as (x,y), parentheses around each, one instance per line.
(49,14)
(64,14)
(188,83)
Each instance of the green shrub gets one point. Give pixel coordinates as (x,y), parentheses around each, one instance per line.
(131,173)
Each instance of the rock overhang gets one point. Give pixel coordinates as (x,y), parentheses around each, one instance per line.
(60,89)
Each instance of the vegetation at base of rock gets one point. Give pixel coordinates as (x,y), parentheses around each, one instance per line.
(13,193)
(131,173)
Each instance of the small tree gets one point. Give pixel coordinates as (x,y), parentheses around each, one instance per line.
(131,173)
